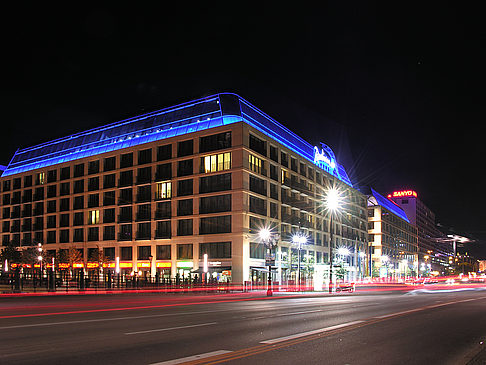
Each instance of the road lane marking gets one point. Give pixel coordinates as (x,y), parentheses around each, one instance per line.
(266,346)
(171,328)
(192,358)
(169,305)
(427,307)
(309,333)
(110,319)
(285,314)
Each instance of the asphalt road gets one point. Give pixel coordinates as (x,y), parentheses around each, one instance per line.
(380,328)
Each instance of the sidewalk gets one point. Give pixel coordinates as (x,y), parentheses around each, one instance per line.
(6,291)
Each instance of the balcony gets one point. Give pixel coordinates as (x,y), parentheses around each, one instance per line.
(125,201)
(144,179)
(125,182)
(143,236)
(143,198)
(125,236)
(162,214)
(125,218)
(162,234)
(143,217)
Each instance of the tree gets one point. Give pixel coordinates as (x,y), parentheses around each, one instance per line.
(10,254)
(74,256)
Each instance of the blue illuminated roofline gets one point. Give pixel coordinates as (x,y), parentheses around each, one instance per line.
(286,137)
(227,108)
(389,205)
(123,121)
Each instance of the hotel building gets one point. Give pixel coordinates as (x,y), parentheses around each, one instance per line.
(393,239)
(159,191)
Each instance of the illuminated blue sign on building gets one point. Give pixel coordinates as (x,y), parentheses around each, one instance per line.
(325,158)
(197,115)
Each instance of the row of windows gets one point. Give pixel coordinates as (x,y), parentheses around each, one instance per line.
(257,165)
(213,163)
(208,225)
(258,250)
(163,190)
(184,148)
(214,250)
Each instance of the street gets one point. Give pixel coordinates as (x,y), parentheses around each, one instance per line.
(418,327)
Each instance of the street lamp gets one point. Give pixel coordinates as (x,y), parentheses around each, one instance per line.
(266,237)
(405,264)
(299,239)
(361,265)
(343,252)
(385,260)
(332,202)
(39,258)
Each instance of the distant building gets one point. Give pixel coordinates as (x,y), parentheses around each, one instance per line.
(430,249)
(393,239)
(482,265)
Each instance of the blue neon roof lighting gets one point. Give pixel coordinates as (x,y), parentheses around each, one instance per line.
(389,205)
(212,111)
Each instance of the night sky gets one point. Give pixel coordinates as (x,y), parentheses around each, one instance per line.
(397,92)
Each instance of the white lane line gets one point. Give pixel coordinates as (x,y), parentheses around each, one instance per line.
(171,328)
(309,333)
(110,319)
(192,358)
(428,307)
(286,314)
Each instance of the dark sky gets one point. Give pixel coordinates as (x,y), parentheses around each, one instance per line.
(396,91)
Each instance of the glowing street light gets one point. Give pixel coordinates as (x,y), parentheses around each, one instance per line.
(266,237)
(343,251)
(333,199)
(332,202)
(264,234)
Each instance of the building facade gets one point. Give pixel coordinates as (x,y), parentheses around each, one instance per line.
(156,193)
(431,250)
(393,239)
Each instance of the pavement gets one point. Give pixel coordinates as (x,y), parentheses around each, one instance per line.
(241,328)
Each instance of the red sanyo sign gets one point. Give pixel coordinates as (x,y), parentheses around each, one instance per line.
(402,193)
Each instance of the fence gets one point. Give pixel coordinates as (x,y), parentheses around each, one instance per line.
(77,281)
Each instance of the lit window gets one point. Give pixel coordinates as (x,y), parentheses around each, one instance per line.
(219,162)
(93,217)
(256,164)
(163,190)
(41,178)
(285,176)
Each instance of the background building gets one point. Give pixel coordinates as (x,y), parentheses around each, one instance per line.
(393,239)
(157,192)
(430,248)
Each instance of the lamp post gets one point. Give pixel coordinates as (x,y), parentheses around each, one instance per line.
(405,265)
(39,258)
(151,268)
(361,264)
(332,202)
(266,237)
(384,260)
(300,240)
